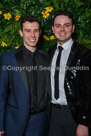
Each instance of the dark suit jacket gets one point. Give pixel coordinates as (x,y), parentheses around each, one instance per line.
(78,82)
(14,93)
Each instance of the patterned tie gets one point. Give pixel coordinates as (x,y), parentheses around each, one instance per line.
(56,76)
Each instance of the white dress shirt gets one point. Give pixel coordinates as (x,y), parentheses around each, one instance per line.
(64,57)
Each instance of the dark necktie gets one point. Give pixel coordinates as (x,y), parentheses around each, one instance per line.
(56,76)
(34,85)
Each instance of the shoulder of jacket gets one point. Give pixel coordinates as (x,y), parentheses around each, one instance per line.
(43,52)
(52,48)
(11,53)
(84,52)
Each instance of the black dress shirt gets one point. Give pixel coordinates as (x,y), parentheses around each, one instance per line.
(41,75)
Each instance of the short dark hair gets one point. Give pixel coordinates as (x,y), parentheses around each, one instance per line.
(30,19)
(65,13)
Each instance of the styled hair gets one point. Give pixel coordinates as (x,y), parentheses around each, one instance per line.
(65,13)
(30,19)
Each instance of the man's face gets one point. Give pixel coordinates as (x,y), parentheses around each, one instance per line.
(30,34)
(63,28)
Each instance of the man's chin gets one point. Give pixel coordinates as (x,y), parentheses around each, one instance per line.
(63,40)
(34,46)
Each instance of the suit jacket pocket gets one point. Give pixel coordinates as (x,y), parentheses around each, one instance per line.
(13,106)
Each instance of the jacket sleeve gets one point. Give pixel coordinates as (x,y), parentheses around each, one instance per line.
(86,90)
(3,89)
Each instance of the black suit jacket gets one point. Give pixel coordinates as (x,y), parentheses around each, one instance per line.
(77,82)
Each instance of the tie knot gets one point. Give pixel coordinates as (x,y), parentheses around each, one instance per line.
(60,48)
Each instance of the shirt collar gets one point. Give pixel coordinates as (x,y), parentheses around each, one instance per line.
(67,44)
(28,52)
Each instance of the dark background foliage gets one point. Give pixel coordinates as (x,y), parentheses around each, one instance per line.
(9,29)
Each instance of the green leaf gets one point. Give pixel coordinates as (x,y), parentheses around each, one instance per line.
(9,28)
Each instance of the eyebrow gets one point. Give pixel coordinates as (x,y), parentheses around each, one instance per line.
(30,29)
(64,24)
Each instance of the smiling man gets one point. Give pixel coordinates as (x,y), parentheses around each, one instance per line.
(30,33)
(23,87)
(70,86)
(63,28)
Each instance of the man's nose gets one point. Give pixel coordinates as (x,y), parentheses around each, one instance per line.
(62,28)
(32,34)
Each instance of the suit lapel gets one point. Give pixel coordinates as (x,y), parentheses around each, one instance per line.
(20,62)
(72,54)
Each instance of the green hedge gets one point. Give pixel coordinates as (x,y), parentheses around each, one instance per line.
(12,10)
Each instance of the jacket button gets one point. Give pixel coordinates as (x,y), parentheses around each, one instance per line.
(84,117)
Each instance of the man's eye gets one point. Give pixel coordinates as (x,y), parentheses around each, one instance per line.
(57,26)
(67,25)
(36,30)
(27,30)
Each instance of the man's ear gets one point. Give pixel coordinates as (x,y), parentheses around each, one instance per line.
(73,28)
(21,33)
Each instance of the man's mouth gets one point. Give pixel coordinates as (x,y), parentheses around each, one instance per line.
(32,40)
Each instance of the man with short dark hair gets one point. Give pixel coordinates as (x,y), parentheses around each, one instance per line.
(70,81)
(23,86)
